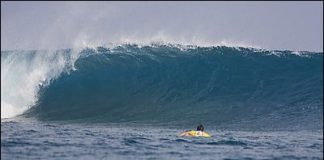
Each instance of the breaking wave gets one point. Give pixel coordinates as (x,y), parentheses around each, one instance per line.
(229,87)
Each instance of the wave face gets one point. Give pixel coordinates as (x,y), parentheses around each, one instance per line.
(166,84)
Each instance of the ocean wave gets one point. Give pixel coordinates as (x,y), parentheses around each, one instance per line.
(167,83)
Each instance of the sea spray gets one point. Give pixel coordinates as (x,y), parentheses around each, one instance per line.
(24,72)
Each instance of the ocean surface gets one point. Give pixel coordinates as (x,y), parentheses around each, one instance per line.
(131,101)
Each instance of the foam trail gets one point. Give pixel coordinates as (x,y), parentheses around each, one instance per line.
(23,73)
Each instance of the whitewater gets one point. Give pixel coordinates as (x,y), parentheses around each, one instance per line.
(132,100)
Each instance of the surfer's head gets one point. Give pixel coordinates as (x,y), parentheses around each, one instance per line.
(200,127)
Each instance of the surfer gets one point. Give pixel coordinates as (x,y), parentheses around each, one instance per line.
(198,133)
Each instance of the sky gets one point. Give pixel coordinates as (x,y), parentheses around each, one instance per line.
(270,25)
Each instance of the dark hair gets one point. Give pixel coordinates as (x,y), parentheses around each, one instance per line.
(200,127)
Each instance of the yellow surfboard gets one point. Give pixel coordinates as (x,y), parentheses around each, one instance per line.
(193,133)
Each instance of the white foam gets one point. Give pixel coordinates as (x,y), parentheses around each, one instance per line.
(22,75)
